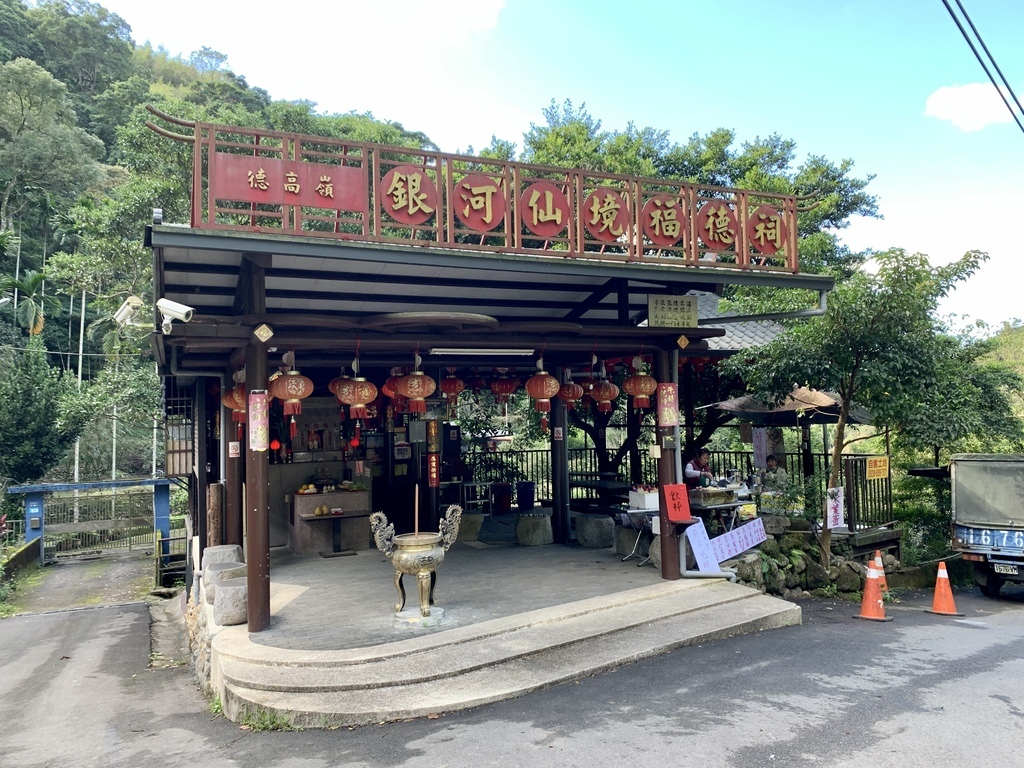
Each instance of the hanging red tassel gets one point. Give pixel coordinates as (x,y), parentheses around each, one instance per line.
(293,430)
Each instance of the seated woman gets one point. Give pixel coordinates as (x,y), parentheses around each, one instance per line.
(775,477)
(698,468)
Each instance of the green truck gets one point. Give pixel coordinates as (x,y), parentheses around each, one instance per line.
(988,516)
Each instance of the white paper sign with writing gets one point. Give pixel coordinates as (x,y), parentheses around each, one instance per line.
(759,437)
(697,535)
(738,540)
(836,508)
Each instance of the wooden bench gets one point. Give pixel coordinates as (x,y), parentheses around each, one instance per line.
(885,538)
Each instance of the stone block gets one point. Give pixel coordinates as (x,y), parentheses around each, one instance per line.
(595,531)
(214,573)
(655,552)
(775,525)
(230,605)
(222,553)
(534,529)
(469,527)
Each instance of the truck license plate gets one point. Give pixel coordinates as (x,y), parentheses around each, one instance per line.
(1006,570)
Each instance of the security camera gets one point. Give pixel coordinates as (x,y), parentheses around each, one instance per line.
(166,327)
(128,310)
(174,311)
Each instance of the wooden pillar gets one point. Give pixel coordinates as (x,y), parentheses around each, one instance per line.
(560,523)
(257,505)
(233,483)
(667,436)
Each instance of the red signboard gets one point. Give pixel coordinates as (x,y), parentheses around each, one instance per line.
(433,470)
(606,214)
(663,220)
(409,194)
(289,182)
(668,405)
(677,503)
(716,225)
(479,202)
(766,230)
(545,209)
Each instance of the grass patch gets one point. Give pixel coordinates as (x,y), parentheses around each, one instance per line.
(9,589)
(265,720)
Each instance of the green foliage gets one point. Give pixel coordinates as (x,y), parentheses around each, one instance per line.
(264,720)
(41,147)
(41,413)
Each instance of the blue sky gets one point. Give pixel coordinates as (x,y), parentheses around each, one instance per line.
(889,84)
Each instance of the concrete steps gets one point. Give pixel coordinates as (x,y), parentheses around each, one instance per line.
(485,662)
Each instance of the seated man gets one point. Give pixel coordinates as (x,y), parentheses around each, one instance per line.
(775,477)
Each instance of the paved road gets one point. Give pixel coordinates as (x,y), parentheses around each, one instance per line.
(76,690)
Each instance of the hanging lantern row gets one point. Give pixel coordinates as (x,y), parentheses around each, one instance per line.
(357,393)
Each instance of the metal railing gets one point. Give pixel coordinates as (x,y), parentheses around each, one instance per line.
(98,520)
(869,502)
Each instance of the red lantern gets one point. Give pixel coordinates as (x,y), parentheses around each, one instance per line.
(417,386)
(452,386)
(641,386)
(502,388)
(234,399)
(542,387)
(478,384)
(603,393)
(571,393)
(390,387)
(291,388)
(356,394)
(333,386)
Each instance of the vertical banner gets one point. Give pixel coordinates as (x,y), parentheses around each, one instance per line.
(836,508)
(259,421)
(668,405)
(433,470)
(759,437)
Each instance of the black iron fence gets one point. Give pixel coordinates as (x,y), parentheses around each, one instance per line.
(868,503)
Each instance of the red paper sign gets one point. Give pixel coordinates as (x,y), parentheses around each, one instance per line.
(434,470)
(276,182)
(677,500)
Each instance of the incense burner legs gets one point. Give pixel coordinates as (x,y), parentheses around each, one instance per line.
(418,554)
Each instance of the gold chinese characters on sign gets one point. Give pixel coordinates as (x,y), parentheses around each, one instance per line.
(672,311)
(766,230)
(663,220)
(410,195)
(606,214)
(544,209)
(479,202)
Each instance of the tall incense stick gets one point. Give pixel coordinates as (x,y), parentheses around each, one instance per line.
(416,513)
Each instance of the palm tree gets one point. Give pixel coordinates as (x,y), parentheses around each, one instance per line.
(33,302)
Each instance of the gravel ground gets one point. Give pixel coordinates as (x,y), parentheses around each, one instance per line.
(113,578)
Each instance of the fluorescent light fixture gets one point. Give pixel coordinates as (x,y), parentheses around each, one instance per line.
(481,351)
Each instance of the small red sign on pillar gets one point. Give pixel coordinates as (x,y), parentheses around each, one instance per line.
(677,503)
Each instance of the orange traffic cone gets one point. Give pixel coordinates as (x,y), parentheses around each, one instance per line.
(942,603)
(882,583)
(871,606)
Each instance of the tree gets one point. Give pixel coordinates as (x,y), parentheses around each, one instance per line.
(33,301)
(40,145)
(16,40)
(40,414)
(878,343)
(83,44)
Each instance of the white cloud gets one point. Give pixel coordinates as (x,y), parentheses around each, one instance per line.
(969,107)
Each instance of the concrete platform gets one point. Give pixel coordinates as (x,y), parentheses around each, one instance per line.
(517,619)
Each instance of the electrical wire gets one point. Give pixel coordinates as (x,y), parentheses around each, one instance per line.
(981,61)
